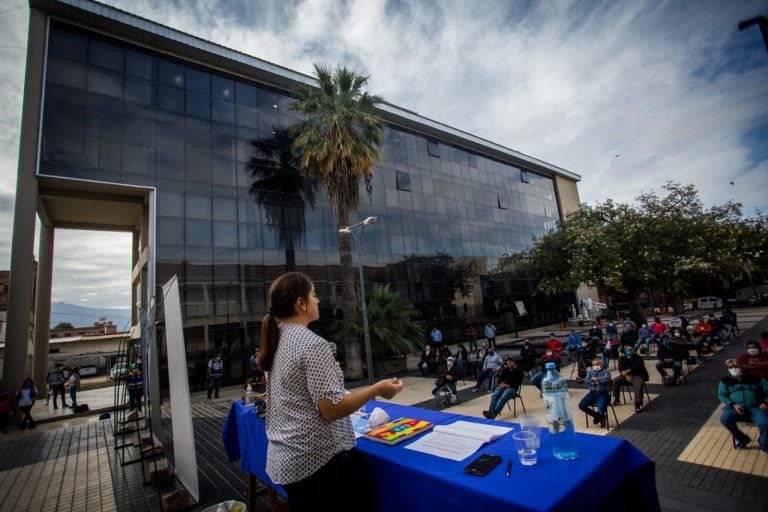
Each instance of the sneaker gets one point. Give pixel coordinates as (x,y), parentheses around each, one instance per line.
(488,414)
(741,445)
(638,408)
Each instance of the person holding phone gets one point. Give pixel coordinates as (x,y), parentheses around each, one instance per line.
(307,414)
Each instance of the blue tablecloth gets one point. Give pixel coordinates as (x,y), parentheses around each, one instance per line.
(609,472)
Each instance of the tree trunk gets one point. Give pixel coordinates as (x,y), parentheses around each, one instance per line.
(353,362)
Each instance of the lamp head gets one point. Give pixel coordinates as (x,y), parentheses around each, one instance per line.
(370,220)
(345,230)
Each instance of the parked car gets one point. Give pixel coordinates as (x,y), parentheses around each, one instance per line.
(88,369)
(709,302)
(118,371)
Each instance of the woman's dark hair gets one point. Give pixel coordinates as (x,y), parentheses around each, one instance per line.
(283,294)
(75,369)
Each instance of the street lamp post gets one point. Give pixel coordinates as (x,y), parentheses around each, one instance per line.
(356,232)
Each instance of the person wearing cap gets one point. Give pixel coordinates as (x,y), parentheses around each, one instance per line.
(447,376)
(754,362)
(56,380)
(215,374)
(135,382)
(744,398)
(510,379)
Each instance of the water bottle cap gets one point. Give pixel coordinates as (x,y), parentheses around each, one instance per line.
(549,366)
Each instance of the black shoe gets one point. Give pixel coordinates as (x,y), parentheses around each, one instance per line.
(638,408)
(55,406)
(603,421)
(489,415)
(616,402)
(596,419)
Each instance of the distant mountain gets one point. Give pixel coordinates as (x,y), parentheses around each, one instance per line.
(81,316)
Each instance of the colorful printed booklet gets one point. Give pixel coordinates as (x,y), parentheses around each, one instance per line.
(398,430)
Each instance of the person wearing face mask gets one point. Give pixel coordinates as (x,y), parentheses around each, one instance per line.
(598,381)
(548,357)
(447,375)
(510,379)
(428,360)
(671,355)
(584,355)
(631,371)
(744,398)
(644,336)
(491,364)
(754,362)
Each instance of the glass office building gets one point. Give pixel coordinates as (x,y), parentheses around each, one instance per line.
(127,102)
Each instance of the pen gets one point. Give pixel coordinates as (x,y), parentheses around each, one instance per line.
(509,467)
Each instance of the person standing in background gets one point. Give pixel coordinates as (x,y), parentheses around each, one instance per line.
(135,380)
(490,334)
(25,398)
(73,384)
(215,374)
(56,380)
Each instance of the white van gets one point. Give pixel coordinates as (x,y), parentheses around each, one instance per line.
(709,303)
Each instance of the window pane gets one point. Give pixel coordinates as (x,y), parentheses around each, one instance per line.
(223,111)
(170,203)
(139,66)
(224,234)
(198,232)
(105,82)
(199,105)
(198,81)
(245,94)
(170,98)
(106,56)
(138,91)
(198,207)
(68,45)
(66,72)
(170,231)
(223,88)
(170,73)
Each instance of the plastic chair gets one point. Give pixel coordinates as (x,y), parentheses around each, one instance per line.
(514,400)
(607,417)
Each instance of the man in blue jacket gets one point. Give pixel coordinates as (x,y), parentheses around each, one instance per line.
(744,398)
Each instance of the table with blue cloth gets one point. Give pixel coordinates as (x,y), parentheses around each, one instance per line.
(610,473)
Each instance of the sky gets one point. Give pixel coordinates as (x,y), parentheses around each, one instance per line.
(628,94)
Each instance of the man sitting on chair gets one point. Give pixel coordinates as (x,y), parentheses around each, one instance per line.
(447,377)
(754,362)
(510,379)
(744,398)
(631,371)
(599,382)
(491,365)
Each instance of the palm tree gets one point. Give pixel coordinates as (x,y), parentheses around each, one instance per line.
(339,143)
(281,189)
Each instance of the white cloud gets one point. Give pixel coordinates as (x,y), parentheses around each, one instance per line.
(670,87)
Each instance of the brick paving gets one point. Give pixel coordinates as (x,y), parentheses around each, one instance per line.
(72,462)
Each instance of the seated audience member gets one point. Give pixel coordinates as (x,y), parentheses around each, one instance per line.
(554,344)
(610,349)
(428,360)
(461,357)
(599,383)
(644,337)
(475,363)
(510,379)
(572,343)
(595,331)
(611,329)
(628,325)
(754,362)
(671,355)
(528,356)
(658,327)
(491,365)
(548,357)
(703,328)
(744,398)
(628,337)
(675,323)
(631,371)
(584,356)
(447,375)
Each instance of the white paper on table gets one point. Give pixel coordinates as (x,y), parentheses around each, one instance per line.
(458,440)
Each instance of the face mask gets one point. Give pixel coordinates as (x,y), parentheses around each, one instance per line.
(677,335)
(753,351)
(630,353)
(645,325)
(735,372)
(583,344)
(597,368)
(549,353)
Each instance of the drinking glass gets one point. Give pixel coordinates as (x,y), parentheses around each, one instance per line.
(525,444)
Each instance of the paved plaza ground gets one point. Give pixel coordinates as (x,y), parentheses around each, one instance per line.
(76,462)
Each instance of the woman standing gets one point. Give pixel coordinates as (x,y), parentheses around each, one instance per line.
(73,383)
(307,422)
(25,397)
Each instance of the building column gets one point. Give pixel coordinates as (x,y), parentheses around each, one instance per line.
(21,282)
(43,306)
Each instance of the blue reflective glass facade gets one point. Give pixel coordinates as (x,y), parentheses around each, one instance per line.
(117,113)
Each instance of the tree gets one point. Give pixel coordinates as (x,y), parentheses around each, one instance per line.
(339,142)
(665,244)
(394,325)
(64,325)
(281,189)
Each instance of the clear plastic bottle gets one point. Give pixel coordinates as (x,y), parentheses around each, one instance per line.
(554,389)
(249,394)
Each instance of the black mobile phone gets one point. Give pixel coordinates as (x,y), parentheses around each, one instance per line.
(483,464)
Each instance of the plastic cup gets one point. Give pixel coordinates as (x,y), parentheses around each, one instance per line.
(525,444)
(531,422)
